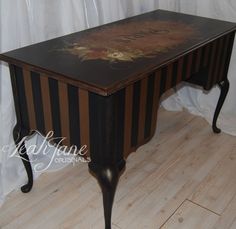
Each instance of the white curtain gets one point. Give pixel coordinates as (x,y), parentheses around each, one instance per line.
(24,22)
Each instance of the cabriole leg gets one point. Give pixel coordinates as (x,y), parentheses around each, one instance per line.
(107,176)
(25,159)
(224,88)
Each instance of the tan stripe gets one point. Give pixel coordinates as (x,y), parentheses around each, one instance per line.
(180,70)
(223,60)
(142,109)
(211,67)
(64,112)
(29,99)
(155,100)
(198,59)
(189,65)
(169,76)
(217,64)
(206,55)
(46,103)
(84,118)
(128,119)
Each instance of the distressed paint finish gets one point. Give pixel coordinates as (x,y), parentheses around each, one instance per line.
(131,40)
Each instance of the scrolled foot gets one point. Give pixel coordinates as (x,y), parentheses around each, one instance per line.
(25,159)
(216,129)
(27,187)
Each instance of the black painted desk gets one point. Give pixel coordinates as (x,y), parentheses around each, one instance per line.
(101,87)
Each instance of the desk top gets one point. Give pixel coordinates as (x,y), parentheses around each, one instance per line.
(109,57)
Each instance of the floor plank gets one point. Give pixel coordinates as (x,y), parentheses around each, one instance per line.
(219,187)
(228,217)
(159,179)
(191,216)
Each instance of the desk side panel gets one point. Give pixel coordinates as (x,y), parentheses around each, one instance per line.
(45,104)
(211,62)
(127,118)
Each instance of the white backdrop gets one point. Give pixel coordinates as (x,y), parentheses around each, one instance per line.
(24,22)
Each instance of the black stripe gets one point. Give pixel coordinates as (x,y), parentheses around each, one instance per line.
(229,52)
(217,52)
(149,105)
(163,80)
(209,56)
(74,116)
(135,113)
(194,62)
(96,125)
(55,107)
(219,59)
(22,99)
(106,125)
(223,57)
(202,56)
(38,102)
(119,114)
(185,65)
(174,74)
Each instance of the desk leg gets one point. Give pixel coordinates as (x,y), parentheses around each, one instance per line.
(108,177)
(106,122)
(18,134)
(25,159)
(224,88)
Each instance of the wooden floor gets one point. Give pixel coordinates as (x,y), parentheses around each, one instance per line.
(184,178)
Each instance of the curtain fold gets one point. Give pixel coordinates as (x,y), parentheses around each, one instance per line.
(25,22)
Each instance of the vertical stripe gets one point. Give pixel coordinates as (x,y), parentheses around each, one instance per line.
(119,124)
(142,110)
(180,69)
(38,102)
(185,66)
(29,98)
(156,98)
(84,119)
(55,108)
(229,53)
(46,103)
(207,55)
(223,60)
(194,61)
(74,115)
(203,54)
(135,113)
(189,65)
(15,95)
(149,106)
(64,112)
(198,60)
(169,76)
(128,118)
(23,110)
(163,80)
(106,124)
(174,74)
(97,124)
(212,65)
(217,62)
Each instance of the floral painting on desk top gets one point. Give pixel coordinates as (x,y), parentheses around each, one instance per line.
(129,41)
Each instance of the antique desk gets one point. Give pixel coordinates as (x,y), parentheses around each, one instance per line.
(101,87)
